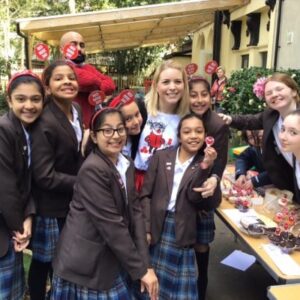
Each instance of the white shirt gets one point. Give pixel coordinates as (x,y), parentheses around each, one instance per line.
(127,148)
(179,170)
(76,126)
(160,132)
(276,129)
(28,146)
(297,172)
(122,167)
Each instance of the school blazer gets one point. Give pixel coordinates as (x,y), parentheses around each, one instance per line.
(217,128)
(297,190)
(156,193)
(104,232)
(56,159)
(279,170)
(15,201)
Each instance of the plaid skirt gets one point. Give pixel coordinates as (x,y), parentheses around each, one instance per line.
(65,290)
(206,228)
(175,267)
(44,239)
(12,280)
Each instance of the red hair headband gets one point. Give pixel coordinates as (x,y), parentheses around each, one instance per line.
(21,74)
(124,98)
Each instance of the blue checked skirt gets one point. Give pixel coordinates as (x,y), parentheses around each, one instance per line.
(44,239)
(65,290)
(12,280)
(174,266)
(206,228)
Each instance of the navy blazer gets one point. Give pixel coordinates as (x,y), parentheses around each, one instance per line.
(104,232)
(279,170)
(56,159)
(252,157)
(216,127)
(156,193)
(15,200)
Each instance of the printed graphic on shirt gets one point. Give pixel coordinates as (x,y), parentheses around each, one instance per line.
(160,132)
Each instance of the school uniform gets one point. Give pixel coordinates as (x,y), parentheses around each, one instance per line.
(216,128)
(172,224)
(296,167)
(56,159)
(273,160)
(104,235)
(248,159)
(16,203)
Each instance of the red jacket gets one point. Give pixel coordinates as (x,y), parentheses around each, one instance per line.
(90,79)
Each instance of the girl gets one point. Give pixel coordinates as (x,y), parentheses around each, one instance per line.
(200,104)
(282,97)
(166,102)
(132,112)
(56,159)
(170,206)
(289,137)
(249,159)
(104,238)
(25,95)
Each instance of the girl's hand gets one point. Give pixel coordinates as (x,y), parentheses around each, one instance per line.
(240,181)
(208,187)
(226,118)
(150,282)
(19,247)
(26,235)
(210,154)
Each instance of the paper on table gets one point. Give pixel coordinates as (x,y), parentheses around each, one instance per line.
(239,260)
(286,264)
(235,215)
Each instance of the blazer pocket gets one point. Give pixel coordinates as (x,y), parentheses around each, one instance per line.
(83,257)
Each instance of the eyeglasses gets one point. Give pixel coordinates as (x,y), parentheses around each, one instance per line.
(109,132)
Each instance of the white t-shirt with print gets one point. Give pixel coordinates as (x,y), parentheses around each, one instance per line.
(160,132)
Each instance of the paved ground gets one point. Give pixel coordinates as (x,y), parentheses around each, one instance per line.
(226,283)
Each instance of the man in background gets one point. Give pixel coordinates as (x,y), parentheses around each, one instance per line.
(89,78)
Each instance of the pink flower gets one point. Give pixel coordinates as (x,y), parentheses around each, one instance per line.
(259,87)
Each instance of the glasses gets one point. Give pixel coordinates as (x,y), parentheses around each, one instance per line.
(109,132)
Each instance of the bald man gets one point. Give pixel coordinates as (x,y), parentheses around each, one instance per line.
(89,78)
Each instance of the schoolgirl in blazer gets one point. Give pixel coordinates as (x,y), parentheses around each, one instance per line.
(290,142)
(25,99)
(104,239)
(282,97)
(56,156)
(171,205)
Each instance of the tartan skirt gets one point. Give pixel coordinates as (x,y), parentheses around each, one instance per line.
(65,290)
(44,238)
(12,280)
(175,267)
(206,228)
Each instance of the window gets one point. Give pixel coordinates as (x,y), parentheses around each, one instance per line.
(245,61)
(264,56)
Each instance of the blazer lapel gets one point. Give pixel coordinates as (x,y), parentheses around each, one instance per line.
(63,120)
(21,139)
(189,172)
(169,167)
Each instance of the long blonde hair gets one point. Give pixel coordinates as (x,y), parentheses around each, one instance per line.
(152,99)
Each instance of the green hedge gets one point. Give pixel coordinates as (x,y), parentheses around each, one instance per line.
(238,94)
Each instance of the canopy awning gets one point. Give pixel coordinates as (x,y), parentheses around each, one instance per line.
(128,27)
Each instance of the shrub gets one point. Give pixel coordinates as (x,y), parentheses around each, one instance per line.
(238,94)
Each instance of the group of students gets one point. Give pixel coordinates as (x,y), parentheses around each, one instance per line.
(123,221)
